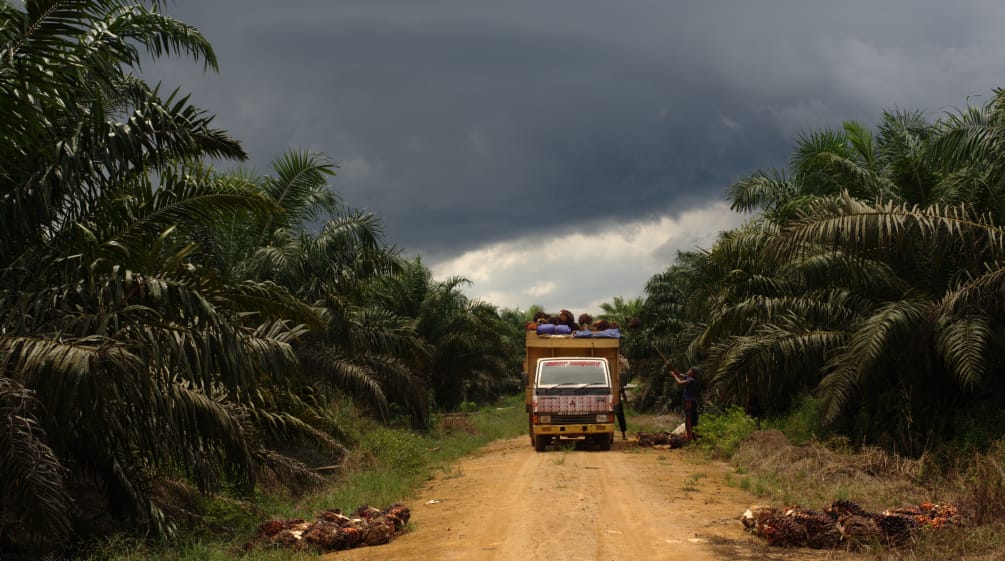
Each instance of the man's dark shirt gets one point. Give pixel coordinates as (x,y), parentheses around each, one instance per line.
(690,388)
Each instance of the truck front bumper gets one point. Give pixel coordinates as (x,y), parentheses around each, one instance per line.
(572,431)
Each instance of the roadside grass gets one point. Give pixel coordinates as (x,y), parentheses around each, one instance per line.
(384,466)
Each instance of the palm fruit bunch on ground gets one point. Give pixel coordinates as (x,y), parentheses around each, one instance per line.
(771,524)
(819,529)
(893,526)
(333,530)
(845,524)
(938,515)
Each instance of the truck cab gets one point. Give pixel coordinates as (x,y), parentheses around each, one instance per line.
(573,399)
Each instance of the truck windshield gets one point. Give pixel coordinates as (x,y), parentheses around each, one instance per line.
(572,372)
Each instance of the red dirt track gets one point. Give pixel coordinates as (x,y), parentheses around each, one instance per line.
(509,503)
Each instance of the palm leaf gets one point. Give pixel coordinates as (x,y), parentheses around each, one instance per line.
(964,344)
(35,496)
(766,190)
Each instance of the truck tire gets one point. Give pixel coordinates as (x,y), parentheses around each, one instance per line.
(540,443)
(604,442)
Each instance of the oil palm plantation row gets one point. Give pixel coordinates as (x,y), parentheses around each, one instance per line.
(162,323)
(871,279)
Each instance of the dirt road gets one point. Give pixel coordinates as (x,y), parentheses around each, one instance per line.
(508,502)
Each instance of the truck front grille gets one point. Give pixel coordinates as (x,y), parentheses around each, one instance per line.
(573,419)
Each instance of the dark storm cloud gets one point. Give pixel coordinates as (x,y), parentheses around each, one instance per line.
(462,123)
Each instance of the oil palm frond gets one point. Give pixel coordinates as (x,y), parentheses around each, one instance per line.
(36,499)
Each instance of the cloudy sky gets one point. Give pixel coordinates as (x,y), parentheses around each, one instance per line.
(561,152)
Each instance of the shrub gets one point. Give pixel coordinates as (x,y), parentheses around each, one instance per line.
(722,433)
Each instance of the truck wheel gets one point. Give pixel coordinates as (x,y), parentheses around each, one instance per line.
(604,442)
(540,443)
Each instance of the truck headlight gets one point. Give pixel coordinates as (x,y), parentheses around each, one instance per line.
(545,419)
(602,418)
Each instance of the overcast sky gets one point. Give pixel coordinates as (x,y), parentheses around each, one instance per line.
(561,152)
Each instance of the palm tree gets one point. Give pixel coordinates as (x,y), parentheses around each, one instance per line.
(143,371)
(41,498)
(826,163)
(904,141)
(328,257)
(930,341)
(77,123)
(967,149)
(671,315)
(620,310)
(851,299)
(514,326)
(124,360)
(871,277)
(469,358)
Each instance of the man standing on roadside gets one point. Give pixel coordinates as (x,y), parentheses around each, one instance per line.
(619,409)
(690,383)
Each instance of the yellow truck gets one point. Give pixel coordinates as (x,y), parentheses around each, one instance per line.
(571,388)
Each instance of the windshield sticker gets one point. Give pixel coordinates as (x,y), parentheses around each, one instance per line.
(567,363)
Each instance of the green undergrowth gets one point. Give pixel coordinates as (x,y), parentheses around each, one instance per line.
(384,465)
(722,434)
